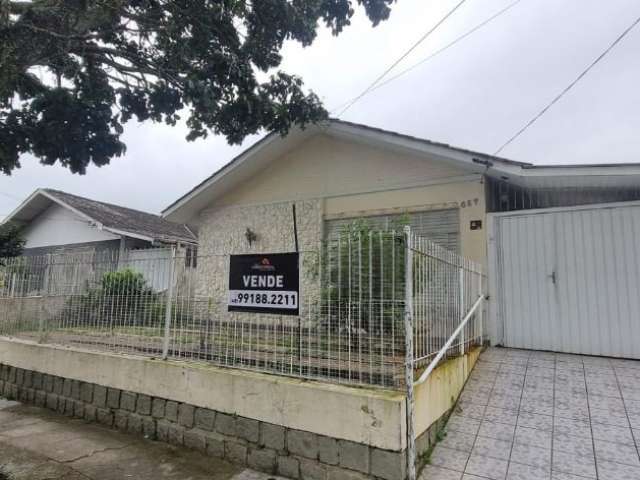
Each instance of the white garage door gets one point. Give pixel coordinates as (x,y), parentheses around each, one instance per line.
(569,280)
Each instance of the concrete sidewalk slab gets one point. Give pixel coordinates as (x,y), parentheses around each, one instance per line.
(37,444)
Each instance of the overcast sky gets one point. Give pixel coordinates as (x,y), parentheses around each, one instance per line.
(476,94)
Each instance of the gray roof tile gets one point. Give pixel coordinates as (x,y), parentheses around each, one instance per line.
(126,219)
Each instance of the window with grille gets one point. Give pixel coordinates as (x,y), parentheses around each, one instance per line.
(440,226)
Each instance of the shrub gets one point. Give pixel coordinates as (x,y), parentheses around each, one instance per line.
(363,277)
(122,298)
(124,283)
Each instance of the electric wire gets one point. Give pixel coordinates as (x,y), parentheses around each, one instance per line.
(402,57)
(569,87)
(437,52)
(8,195)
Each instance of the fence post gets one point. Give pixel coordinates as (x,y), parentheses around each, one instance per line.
(44,295)
(480,326)
(408,341)
(167,312)
(462,312)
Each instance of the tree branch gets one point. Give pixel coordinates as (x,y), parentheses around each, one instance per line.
(62,36)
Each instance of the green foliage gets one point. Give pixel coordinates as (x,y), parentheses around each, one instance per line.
(364,275)
(425,457)
(124,283)
(73,72)
(122,298)
(11,241)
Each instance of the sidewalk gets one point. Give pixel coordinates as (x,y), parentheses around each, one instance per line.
(36,444)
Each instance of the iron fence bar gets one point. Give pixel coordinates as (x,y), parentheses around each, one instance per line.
(408,343)
(352,332)
(461,307)
(480,326)
(447,345)
(168,308)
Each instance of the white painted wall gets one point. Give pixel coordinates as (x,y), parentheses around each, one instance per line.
(59,226)
(346,179)
(324,167)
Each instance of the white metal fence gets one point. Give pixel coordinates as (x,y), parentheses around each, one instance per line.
(444,288)
(443,318)
(351,327)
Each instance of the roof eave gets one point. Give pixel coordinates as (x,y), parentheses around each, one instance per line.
(341,128)
(163,239)
(232,165)
(44,193)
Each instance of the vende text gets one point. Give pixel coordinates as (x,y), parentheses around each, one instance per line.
(262,280)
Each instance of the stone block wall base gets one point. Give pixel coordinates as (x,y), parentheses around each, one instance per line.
(262,446)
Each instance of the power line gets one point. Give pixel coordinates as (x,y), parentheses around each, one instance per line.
(437,52)
(8,195)
(402,57)
(569,87)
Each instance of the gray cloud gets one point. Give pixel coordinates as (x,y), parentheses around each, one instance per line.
(475,95)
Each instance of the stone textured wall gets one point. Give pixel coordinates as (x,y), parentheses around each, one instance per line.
(263,446)
(223,233)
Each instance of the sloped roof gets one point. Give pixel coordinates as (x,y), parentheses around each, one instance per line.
(114,218)
(274,145)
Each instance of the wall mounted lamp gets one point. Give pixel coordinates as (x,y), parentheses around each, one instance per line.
(251,236)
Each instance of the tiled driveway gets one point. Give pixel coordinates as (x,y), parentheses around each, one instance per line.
(539,415)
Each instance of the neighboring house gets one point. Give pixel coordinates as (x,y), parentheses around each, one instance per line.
(71,239)
(57,222)
(559,242)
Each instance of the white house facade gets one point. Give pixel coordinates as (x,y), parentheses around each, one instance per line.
(558,243)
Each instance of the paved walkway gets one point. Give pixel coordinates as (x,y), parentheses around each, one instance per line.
(36,444)
(528,415)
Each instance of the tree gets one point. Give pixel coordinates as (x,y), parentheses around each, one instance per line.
(72,72)
(11,241)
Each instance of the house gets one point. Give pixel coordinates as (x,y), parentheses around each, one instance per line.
(559,242)
(341,388)
(70,239)
(59,222)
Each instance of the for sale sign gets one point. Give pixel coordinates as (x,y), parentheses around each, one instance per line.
(266,283)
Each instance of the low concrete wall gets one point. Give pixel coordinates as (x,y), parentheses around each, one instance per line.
(369,416)
(22,313)
(435,398)
(298,429)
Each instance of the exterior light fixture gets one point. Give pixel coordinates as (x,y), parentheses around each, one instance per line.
(250,236)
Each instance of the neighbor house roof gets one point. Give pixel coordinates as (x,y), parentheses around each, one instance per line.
(119,220)
(250,161)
